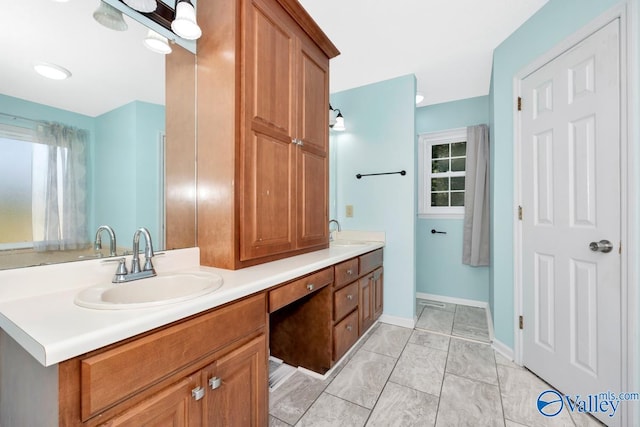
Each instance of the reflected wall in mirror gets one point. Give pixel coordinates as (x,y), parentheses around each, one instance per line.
(82,152)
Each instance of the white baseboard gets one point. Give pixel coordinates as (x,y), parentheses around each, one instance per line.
(490,323)
(502,349)
(453,300)
(398,321)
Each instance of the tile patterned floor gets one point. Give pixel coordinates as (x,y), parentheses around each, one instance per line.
(442,373)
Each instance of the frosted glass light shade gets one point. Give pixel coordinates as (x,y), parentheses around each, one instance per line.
(145,6)
(185,25)
(339,123)
(157,43)
(110,17)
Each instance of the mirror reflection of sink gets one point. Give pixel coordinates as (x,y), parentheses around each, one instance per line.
(154,291)
(343,242)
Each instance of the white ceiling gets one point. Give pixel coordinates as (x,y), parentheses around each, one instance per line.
(109,68)
(447,44)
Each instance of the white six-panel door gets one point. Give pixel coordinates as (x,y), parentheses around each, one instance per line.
(570,192)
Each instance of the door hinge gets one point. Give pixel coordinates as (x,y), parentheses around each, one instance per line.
(521,322)
(519,103)
(520,213)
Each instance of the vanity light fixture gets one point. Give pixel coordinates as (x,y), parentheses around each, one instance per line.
(144,6)
(337,122)
(110,17)
(184,24)
(157,43)
(419,97)
(52,71)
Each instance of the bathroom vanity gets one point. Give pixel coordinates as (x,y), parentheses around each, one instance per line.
(198,362)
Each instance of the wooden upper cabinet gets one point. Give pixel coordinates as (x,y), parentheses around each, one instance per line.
(262,140)
(284,203)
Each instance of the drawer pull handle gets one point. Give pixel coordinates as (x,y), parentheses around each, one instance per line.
(349,328)
(350,297)
(197,393)
(215,383)
(349,272)
(310,286)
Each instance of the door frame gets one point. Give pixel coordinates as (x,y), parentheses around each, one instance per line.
(627,13)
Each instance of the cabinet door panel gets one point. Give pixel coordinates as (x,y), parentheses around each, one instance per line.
(378,292)
(365,306)
(268,199)
(241,398)
(172,407)
(313,216)
(270,67)
(314,97)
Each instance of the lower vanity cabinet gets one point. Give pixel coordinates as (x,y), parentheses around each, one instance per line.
(209,370)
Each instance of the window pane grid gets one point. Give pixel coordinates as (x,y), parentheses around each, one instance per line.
(447,177)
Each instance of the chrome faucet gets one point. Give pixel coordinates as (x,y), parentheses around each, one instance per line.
(112,239)
(122,275)
(339,229)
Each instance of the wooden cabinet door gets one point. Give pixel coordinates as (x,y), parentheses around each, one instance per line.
(378,292)
(312,168)
(237,387)
(171,407)
(267,187)
(365,305)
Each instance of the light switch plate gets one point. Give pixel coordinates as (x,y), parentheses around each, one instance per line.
(348,211)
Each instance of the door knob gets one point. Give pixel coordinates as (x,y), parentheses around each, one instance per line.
(604,246)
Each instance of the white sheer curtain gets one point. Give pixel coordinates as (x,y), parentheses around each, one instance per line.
(475,249)
(59,188)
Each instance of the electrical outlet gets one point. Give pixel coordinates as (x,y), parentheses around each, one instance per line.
(349,211)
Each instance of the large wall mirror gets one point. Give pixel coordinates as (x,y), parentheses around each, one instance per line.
(81,152)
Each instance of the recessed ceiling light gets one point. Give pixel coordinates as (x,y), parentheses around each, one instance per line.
(52,71)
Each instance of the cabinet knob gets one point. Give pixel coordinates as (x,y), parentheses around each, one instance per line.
(350,297)
(349,328)
(197,393)
(215,383)
(310,286)
(349,272)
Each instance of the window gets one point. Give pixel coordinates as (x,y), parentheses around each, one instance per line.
(442,157)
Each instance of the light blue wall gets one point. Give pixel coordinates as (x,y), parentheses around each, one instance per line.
(554,22)
(380,137)
(125,170)
(439,268)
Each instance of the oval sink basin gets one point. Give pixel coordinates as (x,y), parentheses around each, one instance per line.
(341,242)
(154,291)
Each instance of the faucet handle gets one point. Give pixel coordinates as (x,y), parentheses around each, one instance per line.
(121,270)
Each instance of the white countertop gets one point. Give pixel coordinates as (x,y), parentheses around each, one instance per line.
(37,308)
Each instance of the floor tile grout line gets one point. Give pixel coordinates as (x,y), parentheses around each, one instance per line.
(387,380)
(444,374)
(495,365)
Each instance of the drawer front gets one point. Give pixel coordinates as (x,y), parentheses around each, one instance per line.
(345,300)
(297,289)
(370,261)
(345,334)
(346,272)
(115,374)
